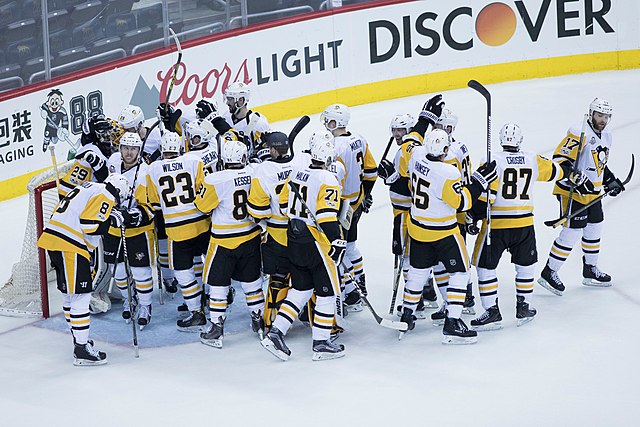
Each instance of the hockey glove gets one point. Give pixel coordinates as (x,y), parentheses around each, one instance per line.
(385,169)
(367,203)
(207,110)
(116,217)
(485,174)
(94,125)
(585,188)
(169,117)
(94,161)
(576,178)
(470,225)
(614,187)
(135,217)
(338,248)
(432,109)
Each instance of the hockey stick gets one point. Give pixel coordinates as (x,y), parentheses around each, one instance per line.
(574,167)
(302,122)
(565,218)
(175,70)
(398,264)
(475,85)
(129,291)
(55,165)
(391,324)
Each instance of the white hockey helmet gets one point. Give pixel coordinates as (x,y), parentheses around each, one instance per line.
(237,90)
(511,136)
(131,139)
(195,128)
(131,117)
(446,119)
(171,143)
(121,184)
(234,152)
(601,106)
(322,147)
(338,112)
(402,121)
(437,142)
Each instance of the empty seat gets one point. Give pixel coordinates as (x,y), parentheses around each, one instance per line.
(21,29)
(58,20)
(33,9)
(23,50)
(85,12)
(120,23)
(149,16)
(105,44)
(9,12)
(87,33)
(119,6)
(59,41)
(135,37)
(33,66)
(71,54)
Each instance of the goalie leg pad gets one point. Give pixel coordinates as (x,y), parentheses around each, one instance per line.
(276,293)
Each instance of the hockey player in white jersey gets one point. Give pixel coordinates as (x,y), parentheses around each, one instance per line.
(234,246)
(131,118)
(437,195)
(353,152)
(592,164)
(313,252)
(73,232)
(172,184)
(139,232)
(200,141)
(511,227)
(268,180)
(250,123)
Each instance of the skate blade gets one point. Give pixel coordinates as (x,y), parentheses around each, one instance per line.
(142,326)
(83,362)
(439,322)
(401,335)
(355,308)
(524,320)
(548,287)
(469,310)
(216,343)
(454,340)
(191,329)
(596,283)
(489,327)
(318,356)
(268,345)
(127,321)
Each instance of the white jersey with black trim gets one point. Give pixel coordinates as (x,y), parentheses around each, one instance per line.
(262,125)
(208,155)
(225,194)
(336,168)
(152,144)
(398,192)
(353,152)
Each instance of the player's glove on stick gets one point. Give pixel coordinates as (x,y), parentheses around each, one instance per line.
(338,247)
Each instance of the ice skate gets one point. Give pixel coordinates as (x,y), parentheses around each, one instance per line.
(214,335)
(192,323)
(409,319)
(257,323)
(362,284)
(469,303)
(420,313)
(490,320)
(326,350)
(438,317)
(274,343)
(353,302)
(144,316)
(550,280)
(127,310)
(429,295)
(592,276)
(524,313)
(86,355)
(170,285)
(455,331)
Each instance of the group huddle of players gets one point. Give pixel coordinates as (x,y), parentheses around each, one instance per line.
(220,197)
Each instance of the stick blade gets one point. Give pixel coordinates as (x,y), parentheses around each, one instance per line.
(478,87)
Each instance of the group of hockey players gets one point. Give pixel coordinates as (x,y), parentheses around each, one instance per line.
(216,198)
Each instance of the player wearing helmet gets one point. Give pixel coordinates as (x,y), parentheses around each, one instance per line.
(592,164)
(131,118)
(512,228)
(70,237)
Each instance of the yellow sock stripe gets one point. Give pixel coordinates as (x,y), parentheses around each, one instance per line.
(559,252)
(287,310)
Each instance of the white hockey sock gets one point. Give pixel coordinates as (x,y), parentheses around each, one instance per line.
(353,254)
(217,301)
(80,318)
(456,293)
(290,308)
(121,279)
(66,309)
(524,281)
(488,286)
(163,259)
(413,287)
(144,284)
(441,277)
(562,246)
(323,318)
(198,266)
(346,270)
(254,295)
(191,291)
(591,243)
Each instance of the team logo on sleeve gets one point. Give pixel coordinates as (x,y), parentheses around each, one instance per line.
(600,156)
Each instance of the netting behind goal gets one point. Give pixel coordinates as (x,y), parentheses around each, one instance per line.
(26,291)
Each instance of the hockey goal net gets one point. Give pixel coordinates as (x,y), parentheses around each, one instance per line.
(26,293)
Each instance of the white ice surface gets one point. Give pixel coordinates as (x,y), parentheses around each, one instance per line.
(575,364)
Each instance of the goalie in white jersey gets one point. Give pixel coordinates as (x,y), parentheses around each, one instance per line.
(592,164)
(511,227)
(234,245)
(437,195)
(139,233)
(172,184)
(70,237)
(313,252)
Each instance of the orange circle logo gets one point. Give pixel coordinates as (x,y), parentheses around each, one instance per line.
(496,24)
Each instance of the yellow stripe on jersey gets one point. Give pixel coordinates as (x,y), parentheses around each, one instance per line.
(76,233)
(327,203)
(259,202)
(370,166)
(548,170)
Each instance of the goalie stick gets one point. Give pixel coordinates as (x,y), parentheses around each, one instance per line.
(567,216)
(478,87)
(391,324)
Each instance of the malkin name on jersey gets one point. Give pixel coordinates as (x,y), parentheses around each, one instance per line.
(302,176)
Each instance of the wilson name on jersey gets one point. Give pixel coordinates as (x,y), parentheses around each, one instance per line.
(592,162)
(353,152)
(266,184)
(78,220)
(81,171)
(140,199)
(511,195)
(225,195)
(437,195)
(172,186)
